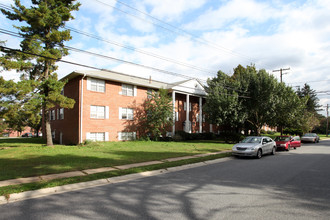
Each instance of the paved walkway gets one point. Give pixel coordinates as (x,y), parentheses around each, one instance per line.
(97,170)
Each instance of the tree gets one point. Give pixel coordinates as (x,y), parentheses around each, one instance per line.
(42,46)
(312,100)
(223,105)
(251,98)
(158,113)
(20,106)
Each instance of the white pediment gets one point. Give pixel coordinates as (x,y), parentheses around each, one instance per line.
(192,86)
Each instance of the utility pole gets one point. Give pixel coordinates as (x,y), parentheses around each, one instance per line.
(281,72)
(327,119)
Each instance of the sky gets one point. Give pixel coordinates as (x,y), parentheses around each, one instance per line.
(197,38)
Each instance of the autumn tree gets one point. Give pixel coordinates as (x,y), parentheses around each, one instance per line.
(42,46)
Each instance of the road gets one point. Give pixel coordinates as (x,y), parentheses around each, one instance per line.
(289,185)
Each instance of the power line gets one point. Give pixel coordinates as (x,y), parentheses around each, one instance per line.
(281,72)
(91,67)
(122,61)
(194,37)
(140,51)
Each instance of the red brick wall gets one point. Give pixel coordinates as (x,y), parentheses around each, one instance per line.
(114,100)
(69,126)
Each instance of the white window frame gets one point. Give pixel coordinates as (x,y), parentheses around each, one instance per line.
(128,90)
(126,136)
(61,113)
(96,85)
(126,113)
(99,112)
(52,115)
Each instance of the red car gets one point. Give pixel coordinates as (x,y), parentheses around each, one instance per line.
(287,142)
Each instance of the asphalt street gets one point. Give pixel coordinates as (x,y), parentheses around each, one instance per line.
(289,185)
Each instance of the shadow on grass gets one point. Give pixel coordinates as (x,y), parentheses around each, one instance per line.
(11,168)
(20,142)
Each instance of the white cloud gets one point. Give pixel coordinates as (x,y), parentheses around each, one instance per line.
(248,10)
(169,10)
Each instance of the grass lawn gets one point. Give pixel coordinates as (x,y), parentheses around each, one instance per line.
(23,157)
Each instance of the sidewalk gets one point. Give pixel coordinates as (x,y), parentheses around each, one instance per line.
(97,170)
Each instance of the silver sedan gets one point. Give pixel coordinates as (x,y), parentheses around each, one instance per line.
(254,146)
(310,137)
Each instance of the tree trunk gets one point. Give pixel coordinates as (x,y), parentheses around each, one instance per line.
(46,113)
(48,130)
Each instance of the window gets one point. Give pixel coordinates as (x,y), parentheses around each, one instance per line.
(126,136)
(53,134)
(97,136)
(149,93)
(197,117)
(126,113)
(97,112)
(61,110)
(52,114)
(97,85)
(127,90)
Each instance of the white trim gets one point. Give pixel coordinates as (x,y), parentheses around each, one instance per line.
(106,112)
(135,91)
(89,83)
(82,107)
(200,114)
(119,136)
(174,113)
(106,136)
(120,112)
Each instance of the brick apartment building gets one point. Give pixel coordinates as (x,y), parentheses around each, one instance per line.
(107,105)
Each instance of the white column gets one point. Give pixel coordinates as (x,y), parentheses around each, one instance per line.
(187,127)
(173,100)
(200,115)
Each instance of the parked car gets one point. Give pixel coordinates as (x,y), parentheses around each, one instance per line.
(27,134)
(310,137)
(287,142)
(254,146)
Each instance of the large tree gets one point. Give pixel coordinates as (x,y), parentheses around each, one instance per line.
(223,104)
(251,98)
(42,46)
(158,113)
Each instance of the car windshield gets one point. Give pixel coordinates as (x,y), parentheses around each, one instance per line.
(252,140)
(280,138)
(310,135)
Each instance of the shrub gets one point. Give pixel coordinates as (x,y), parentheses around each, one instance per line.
(271,132)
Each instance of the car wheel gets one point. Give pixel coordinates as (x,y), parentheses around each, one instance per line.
(259,154)
(295,148)
(273,151)
(289,148)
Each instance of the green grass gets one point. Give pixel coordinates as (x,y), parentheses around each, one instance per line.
(323,136)
(7,190)
(25,157)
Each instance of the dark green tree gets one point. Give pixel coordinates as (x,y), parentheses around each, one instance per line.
(312,104)
(42,46)
(158,113)
(223,105)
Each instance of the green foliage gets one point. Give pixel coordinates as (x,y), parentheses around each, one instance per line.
(184,136)
(20,105)
(293,131)
(251,98)
(42,46)
(159,116)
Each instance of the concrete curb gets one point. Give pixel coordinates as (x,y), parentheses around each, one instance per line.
(77,186)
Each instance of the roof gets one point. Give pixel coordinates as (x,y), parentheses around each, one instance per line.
(191,86)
